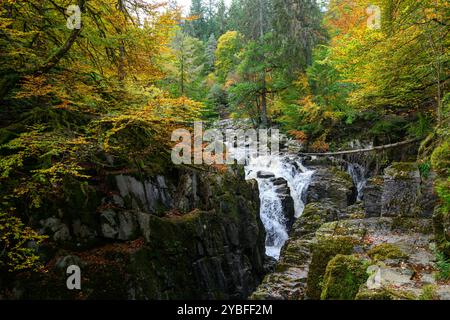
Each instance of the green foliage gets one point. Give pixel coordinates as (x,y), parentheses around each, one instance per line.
(440,159)
(229,47)
(36,162)
(17,244)
(188,69)
(443,265)
(422,127)
(425,168)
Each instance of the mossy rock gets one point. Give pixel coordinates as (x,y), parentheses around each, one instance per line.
(403,170)
(386,251)
(314,216)
(374,294)
(412,224)
(429,293)
(440,159)
(354,229)
(343,277)
(384,293)
(322,252)
(441,227)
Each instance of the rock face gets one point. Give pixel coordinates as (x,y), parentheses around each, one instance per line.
(287,203)
(329,194)
(332,184)
(375,249)
(400,190)
(396,253)
(372,196)
(194,235)
(289,281)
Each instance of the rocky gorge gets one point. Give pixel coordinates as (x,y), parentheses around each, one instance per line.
(282,227)
(380,247)
(193,235)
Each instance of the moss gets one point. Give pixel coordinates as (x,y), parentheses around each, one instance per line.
(377,181)
(428,293)
(412,224)
(385,293)
(402,170)
(343,277)
(344,176)
(377,294)
(386,251)
(441,223)
(443,266)
(440,159)
(105,281)
(322,252)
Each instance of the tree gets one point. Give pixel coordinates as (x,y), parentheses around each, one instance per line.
(71,99)
(198,27)
(210,53)
(229,47)
(190,64)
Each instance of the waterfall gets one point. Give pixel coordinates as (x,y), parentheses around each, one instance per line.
(286,166)
(358,174)
(357,166)
(289,168)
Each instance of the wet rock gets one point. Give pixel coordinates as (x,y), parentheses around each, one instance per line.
(428,197)
(331,184)
(401,190)
(287,202)
(279,182)
(372,196)
(265,175)
(291,272)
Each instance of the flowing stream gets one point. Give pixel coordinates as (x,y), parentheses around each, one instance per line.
(289,168)
(266,170)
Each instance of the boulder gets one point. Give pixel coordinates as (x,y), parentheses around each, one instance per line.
(120,225)
(372,196)
(58,230)
(287,202)
(401,190)
(333,185)
(291,272)
(428,198)
(265,175)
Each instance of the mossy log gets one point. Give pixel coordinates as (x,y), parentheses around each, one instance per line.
(377,148)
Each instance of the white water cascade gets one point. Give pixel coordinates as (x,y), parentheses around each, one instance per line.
(357,168)
(290,168)
(358,174)
(286,166)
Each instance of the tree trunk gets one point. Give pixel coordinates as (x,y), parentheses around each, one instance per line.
(378,148)
(121,68)
(264,121)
